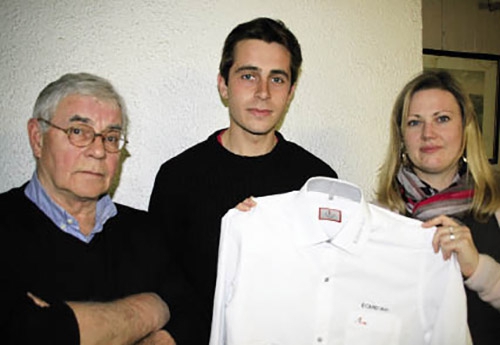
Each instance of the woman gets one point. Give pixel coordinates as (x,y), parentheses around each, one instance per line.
(436,170)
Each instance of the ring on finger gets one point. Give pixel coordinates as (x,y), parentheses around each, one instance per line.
(452,236)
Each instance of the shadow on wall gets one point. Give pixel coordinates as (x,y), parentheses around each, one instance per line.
(116,180)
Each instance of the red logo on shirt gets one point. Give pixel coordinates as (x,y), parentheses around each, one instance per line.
(330,214)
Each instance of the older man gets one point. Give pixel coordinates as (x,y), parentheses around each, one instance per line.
(76,267)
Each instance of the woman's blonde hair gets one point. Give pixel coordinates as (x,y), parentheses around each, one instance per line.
(486,199)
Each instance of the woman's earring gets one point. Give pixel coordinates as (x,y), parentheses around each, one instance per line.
(404,158)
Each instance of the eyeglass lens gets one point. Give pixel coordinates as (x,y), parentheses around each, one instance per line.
(82,135)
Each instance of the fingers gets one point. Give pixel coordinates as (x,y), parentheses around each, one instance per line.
(451,237)
(439,221)
(246,205)
(38,301)
(160,337)
(447,238)
(445,233)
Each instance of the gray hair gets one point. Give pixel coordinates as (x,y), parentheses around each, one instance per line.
(77,84)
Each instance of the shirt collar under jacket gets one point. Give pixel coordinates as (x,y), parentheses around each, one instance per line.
(105,209)
(349,232)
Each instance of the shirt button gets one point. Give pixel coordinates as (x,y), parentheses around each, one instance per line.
(63,226)
(70,221)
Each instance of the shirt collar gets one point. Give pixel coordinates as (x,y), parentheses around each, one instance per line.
(105,209)
(338,195)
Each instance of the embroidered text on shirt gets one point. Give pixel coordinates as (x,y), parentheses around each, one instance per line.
(366,305)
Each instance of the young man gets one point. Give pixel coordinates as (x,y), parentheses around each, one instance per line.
(257,79)
(76,267)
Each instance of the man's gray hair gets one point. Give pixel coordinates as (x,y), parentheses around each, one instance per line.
(77,84)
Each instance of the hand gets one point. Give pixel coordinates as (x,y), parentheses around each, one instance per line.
(38,301)
(246,205)
(452,237)
(160,337)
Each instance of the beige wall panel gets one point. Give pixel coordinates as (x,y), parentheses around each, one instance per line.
(461,25)
(432,23)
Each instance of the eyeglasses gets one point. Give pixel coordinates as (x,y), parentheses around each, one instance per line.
(82,135)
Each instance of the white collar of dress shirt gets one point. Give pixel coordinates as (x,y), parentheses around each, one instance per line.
(353,233)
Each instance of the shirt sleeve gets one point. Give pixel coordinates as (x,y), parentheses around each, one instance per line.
(226,272)
(486,280)
(449,320)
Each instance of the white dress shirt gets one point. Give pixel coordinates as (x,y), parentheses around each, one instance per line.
(322,266)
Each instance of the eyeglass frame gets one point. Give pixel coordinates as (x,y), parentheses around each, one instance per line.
(67,131)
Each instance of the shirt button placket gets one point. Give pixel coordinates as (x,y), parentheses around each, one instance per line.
(320,339)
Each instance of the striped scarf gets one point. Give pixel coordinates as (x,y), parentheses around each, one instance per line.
(424,202)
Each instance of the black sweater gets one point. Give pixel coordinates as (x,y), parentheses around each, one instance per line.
(193,190)
(483,319)
(127,257)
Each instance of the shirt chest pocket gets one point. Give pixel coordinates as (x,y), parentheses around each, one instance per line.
(372,328)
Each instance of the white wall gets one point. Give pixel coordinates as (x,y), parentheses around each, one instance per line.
(163,57)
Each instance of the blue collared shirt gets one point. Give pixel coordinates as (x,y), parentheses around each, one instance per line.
(105,209)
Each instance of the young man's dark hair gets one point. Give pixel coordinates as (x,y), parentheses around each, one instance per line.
(265,29)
